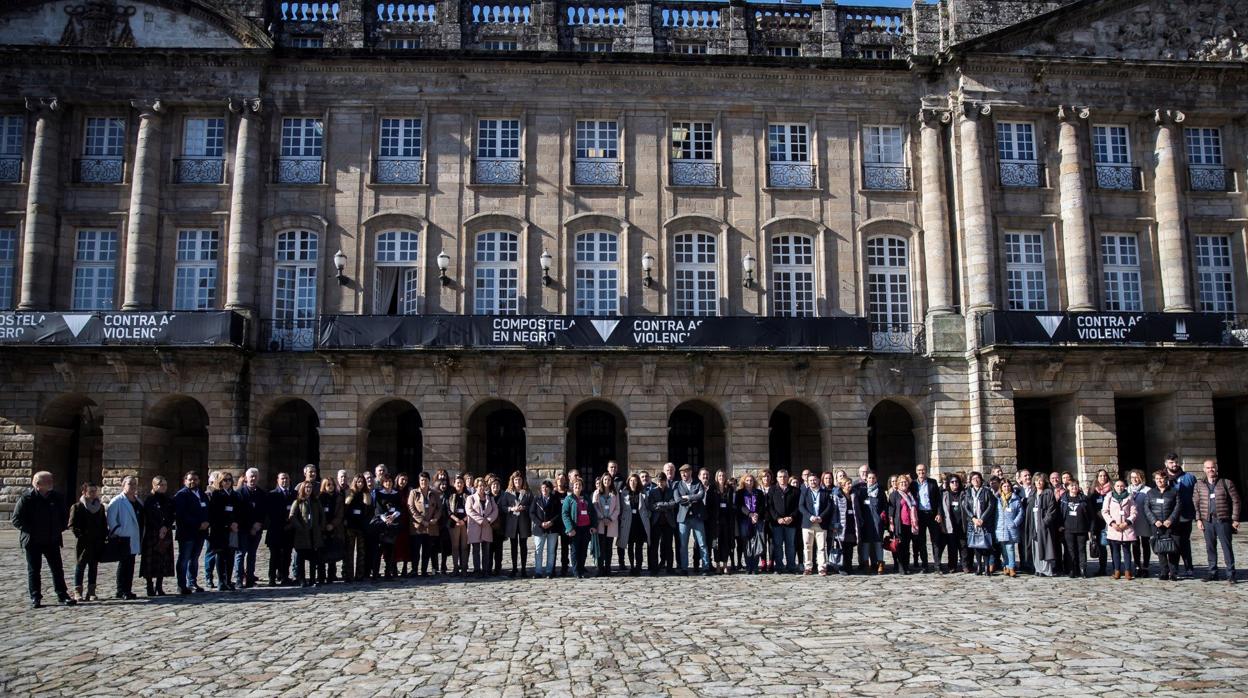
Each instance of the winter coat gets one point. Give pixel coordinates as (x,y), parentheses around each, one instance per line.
(516,524)
(1143,529)
(544,509)
(190,512)
(1010,516)
(40,518)
(1162,506)
(1043,516)
(123,520)
(1116,512)
(91,530)
(952,520)
(570,513)
(783,503)
(690,498)
(307,524)
(662,507)
(987,509)
(872,512)
(482,513)
(333,515)
(1225,500)
(607,510)
(223,512)
(424,512)
(816,503)
(624,524)
(357,510)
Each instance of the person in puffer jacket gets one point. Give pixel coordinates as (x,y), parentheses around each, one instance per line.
(1010,511)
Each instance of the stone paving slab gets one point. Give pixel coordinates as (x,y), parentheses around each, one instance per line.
(723,636)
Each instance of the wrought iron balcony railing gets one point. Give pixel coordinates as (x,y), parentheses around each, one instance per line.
(1021,173)
(199,170)
(899,337)
(791,175)
(299,170)
(1118,177)
(598,171)
(695,173)
(885,177)
(399,171)
(99,170)
(288,335)
(1209,178)
(498,171)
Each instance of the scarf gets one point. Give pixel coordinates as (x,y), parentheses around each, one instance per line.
(1105,489)
(873,490)
(751,502)
(1120,496)
(907,500)
(92,506)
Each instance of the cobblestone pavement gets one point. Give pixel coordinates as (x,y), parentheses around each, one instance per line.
(924,634)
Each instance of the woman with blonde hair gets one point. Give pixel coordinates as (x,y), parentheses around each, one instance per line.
(514,505)
(223,515)
(307,524)
(123,521)
(904,512)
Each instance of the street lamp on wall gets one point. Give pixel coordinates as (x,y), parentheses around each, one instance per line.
(340,264)
(444,263)
(748,264)
(546,260)
(647,263)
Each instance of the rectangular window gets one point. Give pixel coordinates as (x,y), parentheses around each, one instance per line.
(597,139)
(8,259)
(787,143)
(12,136)
(408,43)
(400,138)
(878,53)
(498,139)
(95,269)
(693,140)
(499,45)
(1120,267)
(882,145)
(784,50)
(1110,145)
(307,42)
(697,277)
(1214,274)
(302,137)
(195,274)
(1204,146)
(203,137)
(793,275)
(1016,142)
(497,291)
(594,47)
(1024,271)
(692,48)
(105,138)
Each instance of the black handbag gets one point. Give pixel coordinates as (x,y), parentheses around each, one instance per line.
(115,549)
(1165,544)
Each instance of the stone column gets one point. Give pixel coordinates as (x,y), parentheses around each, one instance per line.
(39,239)
(240,293)
(1168,208)
(977,235)
(935,220)
(1076,227)
(144,209)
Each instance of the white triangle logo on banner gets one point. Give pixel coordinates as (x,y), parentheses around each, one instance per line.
(75,323)
(605,327)
(1050,323)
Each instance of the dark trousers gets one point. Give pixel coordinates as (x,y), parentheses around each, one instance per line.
(1219,533)
(90,568)
(245,557)
(305,565)
(35,555)
(1076,553)
(1142,553)
(955,545)
(581,544)
(1169,564)
(901,558)
(1183,531)
(519,546)
(372,556)
(386,550)
(225,566)
(927,528)
(1121,557)
(565,547)
(125,575)
(430,552)
(636,547)
(279,562)
(661,549)
(496,556)
(188,561)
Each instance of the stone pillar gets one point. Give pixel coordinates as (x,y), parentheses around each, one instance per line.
(144,209)
(39,246)
(240,291)
(1171,242)
(935,221)
(1076,227)
(977,236)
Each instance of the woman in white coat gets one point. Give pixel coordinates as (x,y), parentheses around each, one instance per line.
(123,522)
(607,503)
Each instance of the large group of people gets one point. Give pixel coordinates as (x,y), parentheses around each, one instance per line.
(380,526)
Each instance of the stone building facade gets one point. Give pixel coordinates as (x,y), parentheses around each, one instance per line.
(973,233)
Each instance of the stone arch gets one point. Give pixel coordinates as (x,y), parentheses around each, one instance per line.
(175,440)
(290,435)
(893,443)
(795,437)
(69,442)
(394,435)
(597,431)
(496,439)
(697,435)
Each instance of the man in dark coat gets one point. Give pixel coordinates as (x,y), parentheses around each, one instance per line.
(40,516)
(190,511)
(280,541)
(927,496)
(782,507)
(662,506)
(252,516)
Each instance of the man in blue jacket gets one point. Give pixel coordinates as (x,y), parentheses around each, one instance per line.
(815,507)
(190,511)
(1185,485)
(690,497)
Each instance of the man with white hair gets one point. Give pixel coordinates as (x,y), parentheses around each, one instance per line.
(41,516)
(252,515)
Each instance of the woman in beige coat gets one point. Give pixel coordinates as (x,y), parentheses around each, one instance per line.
(607,503)
(482,512)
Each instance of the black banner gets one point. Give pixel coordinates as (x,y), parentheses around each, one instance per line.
(211,328)
(373,331)
(1017,327)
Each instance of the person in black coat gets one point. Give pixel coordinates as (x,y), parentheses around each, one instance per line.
(662,505)
(1076,523)
(279,538)
(158,521)
(223,528)
(782,505)
(1162,512)
(722,521)
(40,515)
(252,513)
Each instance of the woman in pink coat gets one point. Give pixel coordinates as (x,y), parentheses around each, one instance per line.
(482,511)
(1119,514)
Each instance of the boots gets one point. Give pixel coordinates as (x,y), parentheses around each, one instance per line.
(160,586)
(91,593)
(879,569)
(1117,574)
(1127,576)
(78,593)
(151,588)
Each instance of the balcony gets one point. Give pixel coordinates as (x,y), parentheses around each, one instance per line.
(298,170)
(505,14)
(399,171)
(288,335)
(1021,328)
(884,177)
(695,173)
(199,170)
(598,172)
(1209,178)
(791,175)
(1118,177)
(407,12)
(1021,174)
(899,337)
(505,171)
(99,170)
(211,328)
(10,169)
(311,12)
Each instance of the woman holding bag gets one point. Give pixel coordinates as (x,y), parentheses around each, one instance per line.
(1119,515)
(1162,511)
(752,509)
(123,522)
(980,513)
(904,513)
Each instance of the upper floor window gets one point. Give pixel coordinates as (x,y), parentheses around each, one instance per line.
(95,269)
(1111,152)
(793,275)
(398,273)
(784,50)
(1205,170)
(203,150)
(499,45)
(693,154)
(1120,269)
(195,273)
(888,293)
(8,258)
(498,151)
(696,274)
(296,253)
(788,155)
(597,273)
(103,150)
(404,43)
(694,48)
(303,143)
(884,158)
(1026,288)
(1214,274)
(496,275)
(307,41)
(12,145)
(876,53)
(597,152)
(1016,154)
(590,46)
(399,151)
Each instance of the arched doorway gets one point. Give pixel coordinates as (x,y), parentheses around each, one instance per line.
(890,440)
(794,439)
(175,440)
(695,435)
(395,438)
(597,433)
(69,443)
(294,439)
(496,440)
